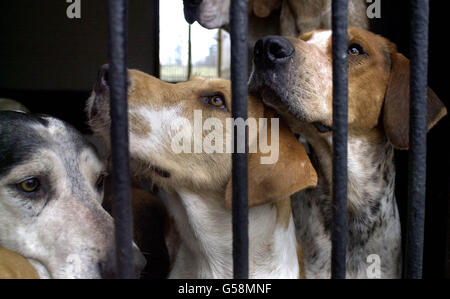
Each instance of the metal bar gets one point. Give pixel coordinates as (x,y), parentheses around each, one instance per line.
(155,40)
(219,53)
(340,136)
(189,64)
(418,138)
(239,75)
(119,136)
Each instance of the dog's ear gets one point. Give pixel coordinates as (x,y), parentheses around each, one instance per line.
(397,100)
(291,173)
(263,8)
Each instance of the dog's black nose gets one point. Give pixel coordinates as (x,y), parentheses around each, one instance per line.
(273,50)
(102,79)
(192,3)
(190,10)
(108,267)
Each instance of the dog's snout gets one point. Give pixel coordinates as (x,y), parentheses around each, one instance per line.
(108,267)
(190,10)
(102,79)
(273,50)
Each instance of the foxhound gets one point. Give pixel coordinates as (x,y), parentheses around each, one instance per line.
(294,76)
(164,127)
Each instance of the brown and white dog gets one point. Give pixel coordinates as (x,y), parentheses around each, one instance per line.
(294,76)
(198,184)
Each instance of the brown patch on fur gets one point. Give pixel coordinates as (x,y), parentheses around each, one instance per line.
(263,8)
(14,266)
(301,263)
(284,212)
(272,182)
(138,125)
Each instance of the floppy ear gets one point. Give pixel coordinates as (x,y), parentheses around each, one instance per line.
(272,182)
(396,104)
(263,8)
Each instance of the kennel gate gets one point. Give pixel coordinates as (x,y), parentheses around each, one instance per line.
(239,70)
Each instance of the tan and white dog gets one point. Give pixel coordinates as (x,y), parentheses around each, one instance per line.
(294,76)
(199,184)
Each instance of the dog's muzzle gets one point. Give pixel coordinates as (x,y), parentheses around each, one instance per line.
(190,10)
(272,56)
(272,51)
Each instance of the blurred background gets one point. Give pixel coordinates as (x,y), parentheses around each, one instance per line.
(190,50)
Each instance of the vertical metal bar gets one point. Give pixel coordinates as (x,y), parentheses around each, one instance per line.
(418,138)
(239,75)
(340,136)
(189,66)
(155,40)
(219,53)
(119,136)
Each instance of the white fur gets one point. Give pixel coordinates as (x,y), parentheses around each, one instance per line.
(214,13)
(206,250)
(320,39)
(161,122)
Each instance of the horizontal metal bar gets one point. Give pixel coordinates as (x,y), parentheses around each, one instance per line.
(340,137)
(418,138)
(239,76)
(119,137)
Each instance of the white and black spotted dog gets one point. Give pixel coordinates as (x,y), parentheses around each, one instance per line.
(51,191)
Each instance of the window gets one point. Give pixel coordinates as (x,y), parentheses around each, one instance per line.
(190,50)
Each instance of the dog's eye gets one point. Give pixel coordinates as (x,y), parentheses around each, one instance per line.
(217,101)
(356,50)
(29,185)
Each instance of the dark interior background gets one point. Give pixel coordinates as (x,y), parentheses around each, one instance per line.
(50,62)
